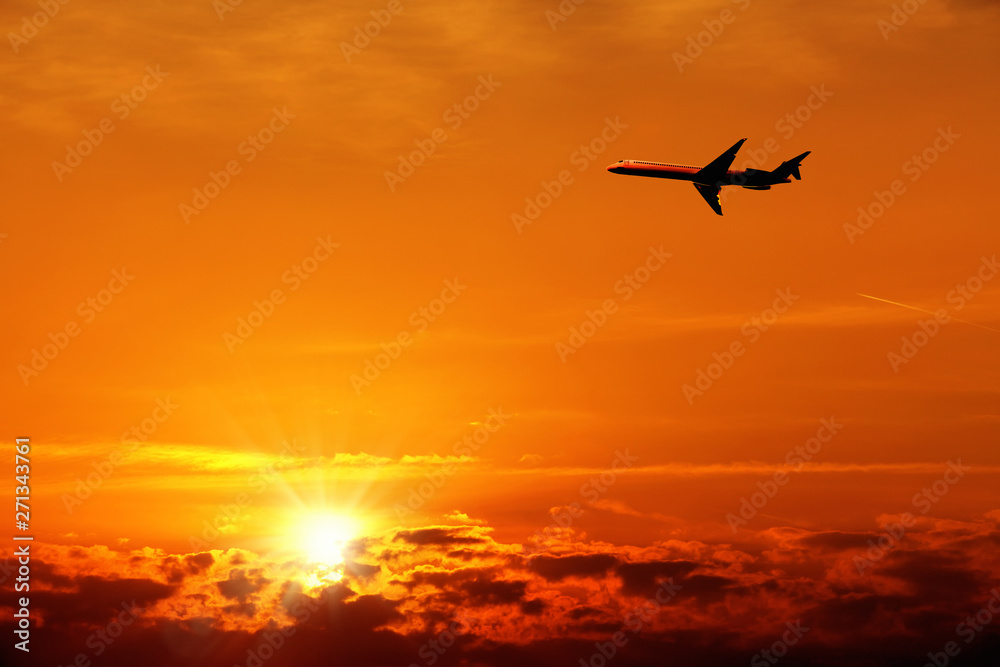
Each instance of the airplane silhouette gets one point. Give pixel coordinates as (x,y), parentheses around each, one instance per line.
(708,180)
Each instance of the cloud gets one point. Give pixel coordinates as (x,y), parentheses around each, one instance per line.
(643,578)
(403,588)
(238,586)
(92,600)
(556,568)
(436,537)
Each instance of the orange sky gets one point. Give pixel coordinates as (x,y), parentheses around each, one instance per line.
(254,166)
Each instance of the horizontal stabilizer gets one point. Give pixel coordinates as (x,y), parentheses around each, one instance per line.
(791,167)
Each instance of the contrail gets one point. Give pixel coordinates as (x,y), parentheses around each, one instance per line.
(923,310)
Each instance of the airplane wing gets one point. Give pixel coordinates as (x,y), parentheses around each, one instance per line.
(717,168)
(711,195)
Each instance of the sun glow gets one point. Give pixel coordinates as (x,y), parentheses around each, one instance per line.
(322,538)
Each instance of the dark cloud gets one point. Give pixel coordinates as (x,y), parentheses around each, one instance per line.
(644,578)
(706,588)
(835,540)
(95,601)
(583,612)
(361,570)
(533,607)
(556,568)
(445,579)
(197,563)
(436,537)
(176,569)
(248,609)
(485,589)
(46,572)
(857,613)
(933,576)
(239,586)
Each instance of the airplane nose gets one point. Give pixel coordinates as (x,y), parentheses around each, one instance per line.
(611,167)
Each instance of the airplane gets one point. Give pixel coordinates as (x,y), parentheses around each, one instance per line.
(708,180)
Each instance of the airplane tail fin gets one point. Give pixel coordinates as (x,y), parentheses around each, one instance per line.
(791,167)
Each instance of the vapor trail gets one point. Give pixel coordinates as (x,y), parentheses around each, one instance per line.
(923,310)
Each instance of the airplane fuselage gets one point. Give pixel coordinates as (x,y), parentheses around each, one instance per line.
(747,178)
(710,179)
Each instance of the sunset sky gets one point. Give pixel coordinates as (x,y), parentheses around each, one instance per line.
(354,339)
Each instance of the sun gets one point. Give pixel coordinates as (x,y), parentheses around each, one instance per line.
(324,536)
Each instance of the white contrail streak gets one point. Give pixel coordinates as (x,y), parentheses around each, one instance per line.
(923,310)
